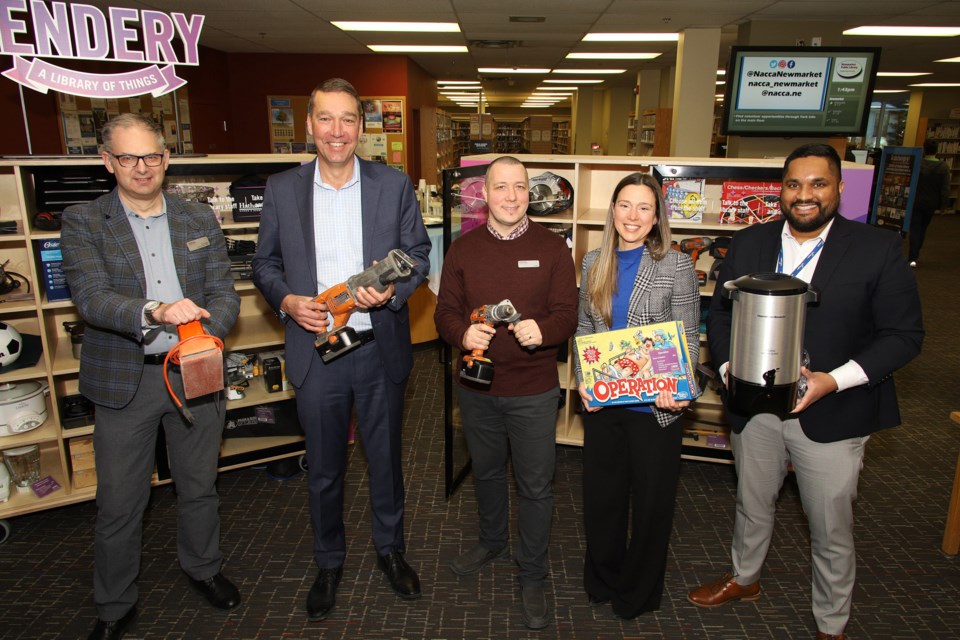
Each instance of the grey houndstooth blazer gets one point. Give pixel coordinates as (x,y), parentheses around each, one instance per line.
(107,282)
(664,290)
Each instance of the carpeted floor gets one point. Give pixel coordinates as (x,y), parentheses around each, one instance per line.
(905,587)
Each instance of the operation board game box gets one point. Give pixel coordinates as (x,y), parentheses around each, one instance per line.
(634,365)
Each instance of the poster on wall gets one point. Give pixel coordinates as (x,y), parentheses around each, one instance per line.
(372,114)
(82,119)
(373,146)
(282,127)
(895,187)
(392,116)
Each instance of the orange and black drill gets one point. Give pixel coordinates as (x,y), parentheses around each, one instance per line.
(475,367)
(693,247)
(341,300)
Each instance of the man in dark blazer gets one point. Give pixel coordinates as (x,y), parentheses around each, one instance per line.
(866,325)
(322,223)
(139,263)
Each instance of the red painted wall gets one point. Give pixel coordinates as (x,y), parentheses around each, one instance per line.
(230,90)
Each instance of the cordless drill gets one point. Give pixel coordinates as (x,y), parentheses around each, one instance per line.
(341,300)
(475,367)
(694,247)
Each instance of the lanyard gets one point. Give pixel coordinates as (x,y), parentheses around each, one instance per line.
(805,261)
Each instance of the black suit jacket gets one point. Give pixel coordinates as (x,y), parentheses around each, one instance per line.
(869,311)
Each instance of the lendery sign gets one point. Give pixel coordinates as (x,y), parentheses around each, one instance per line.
(83,32)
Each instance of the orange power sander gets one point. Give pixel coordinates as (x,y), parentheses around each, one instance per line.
(341,300)
(475,366)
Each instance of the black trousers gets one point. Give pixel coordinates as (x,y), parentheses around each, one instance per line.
(631,466)
(919,222)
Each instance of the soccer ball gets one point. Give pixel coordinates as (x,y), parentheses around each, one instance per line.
(11,344)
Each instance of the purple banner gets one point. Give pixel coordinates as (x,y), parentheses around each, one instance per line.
(42,76)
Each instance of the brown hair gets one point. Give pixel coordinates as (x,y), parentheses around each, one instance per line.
(335,85)
(128,121)
(602,278)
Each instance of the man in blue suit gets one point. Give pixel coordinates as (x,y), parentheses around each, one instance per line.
(322,223)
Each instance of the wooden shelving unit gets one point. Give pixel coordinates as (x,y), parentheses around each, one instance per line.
(460,134)
(653,137)
(257,327)
(561,137)
(633,142)
(507,136)
(537,133)
(947,134)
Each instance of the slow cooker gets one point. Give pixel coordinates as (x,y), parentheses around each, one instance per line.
(23,406)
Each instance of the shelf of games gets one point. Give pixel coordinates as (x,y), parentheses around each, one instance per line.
(710,198)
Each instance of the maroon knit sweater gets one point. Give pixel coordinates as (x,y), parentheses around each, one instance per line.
(480,269)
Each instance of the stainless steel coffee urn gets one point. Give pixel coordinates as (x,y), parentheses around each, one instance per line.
(766,342)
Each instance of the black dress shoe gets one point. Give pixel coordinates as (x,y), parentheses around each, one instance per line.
(112,629)
(403,579)
(323,594)
(218,591)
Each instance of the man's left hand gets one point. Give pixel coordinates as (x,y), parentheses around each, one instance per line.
(527,333)
(819,384)
(369,298)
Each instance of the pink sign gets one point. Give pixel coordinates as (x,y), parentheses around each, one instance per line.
(82,32)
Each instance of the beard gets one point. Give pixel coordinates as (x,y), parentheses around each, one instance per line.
(806,225)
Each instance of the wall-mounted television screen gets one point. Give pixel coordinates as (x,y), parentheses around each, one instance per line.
(799,91)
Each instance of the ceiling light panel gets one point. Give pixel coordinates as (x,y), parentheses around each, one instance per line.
(631,37)
(926,32)
(612,56)
(418,48)
(598,72)
(414,27)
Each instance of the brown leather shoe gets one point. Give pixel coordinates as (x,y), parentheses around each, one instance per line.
(826,636)
(722,591)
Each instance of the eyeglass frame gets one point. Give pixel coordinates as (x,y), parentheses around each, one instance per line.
(138,159)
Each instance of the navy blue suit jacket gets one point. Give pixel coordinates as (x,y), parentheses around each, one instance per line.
(869,311)
(286,262)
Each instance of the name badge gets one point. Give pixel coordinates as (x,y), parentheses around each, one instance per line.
(528,264)
(198,243)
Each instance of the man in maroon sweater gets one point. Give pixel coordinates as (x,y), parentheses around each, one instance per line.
(513,258)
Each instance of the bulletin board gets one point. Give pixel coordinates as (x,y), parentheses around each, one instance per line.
(81,119)
(384,138)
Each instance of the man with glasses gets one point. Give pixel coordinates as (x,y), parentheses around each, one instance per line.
(139,263)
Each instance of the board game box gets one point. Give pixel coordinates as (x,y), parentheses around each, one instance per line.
(749,202)
(634,365)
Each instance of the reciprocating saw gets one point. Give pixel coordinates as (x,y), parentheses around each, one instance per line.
(341,300)
(475,366)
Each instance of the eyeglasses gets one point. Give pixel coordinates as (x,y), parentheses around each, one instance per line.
(129,161)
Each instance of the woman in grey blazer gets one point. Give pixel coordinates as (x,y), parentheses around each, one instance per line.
(631,454)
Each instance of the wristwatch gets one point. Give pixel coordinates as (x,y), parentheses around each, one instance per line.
(148,310)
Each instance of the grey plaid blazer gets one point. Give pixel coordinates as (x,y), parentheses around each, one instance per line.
(106,278)
(664,290)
